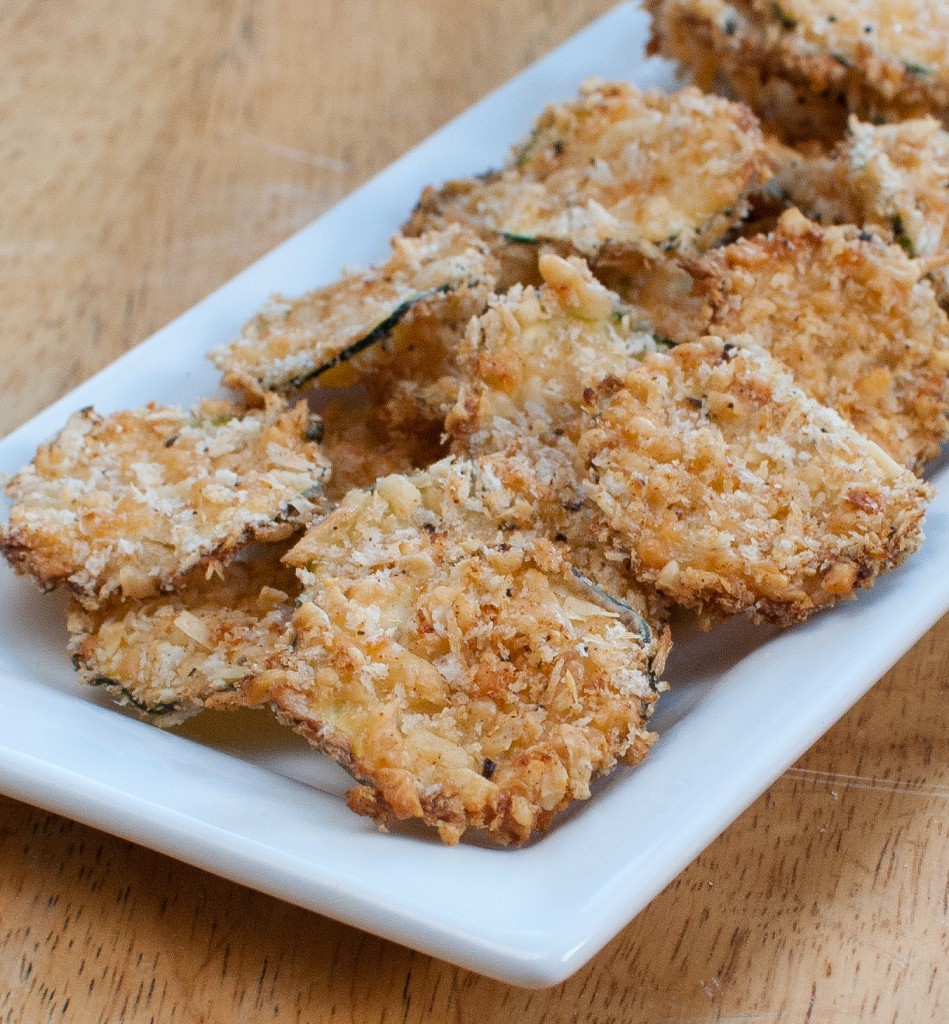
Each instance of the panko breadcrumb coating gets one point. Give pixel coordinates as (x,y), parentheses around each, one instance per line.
(171,656)
(458,669)
(894,178)
(363,320)
(124,506)
(853,322)
(525,365)
(413,389)
(526,361)
(803,65)
(661,287)
(732,490)
(615,165)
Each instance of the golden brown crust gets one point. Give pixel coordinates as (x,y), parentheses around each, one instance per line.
(526,361)
(362,321)
(124,506)
(802,65)
(731,490)
(525,365)
(615,165)
(456,666)
(170,657)
(851,319)
(891,177)
(413,389)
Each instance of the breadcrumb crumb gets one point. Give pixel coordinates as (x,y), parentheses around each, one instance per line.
(170,657)
(461,670)
(124,506)
(731,490)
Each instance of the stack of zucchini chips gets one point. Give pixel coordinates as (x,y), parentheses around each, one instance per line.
(660,361)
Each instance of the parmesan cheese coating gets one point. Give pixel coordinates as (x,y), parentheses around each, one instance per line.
(123,506)
(615,165)
(171,656)
(362,321)
(851,319)
(456,666)
(731,490)
(894,178)
(803,65)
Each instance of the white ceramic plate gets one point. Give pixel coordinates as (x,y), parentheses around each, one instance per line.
(252,803)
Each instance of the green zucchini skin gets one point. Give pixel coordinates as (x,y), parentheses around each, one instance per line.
(127,697)
(381,331)
(123,695)
(627,613)
(510,236)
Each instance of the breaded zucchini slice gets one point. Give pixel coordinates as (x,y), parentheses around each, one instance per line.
(459,669)
(124,506)
(851,319)
(344,329)
(616,165)
(732,490)
(171,656)
(803,65)
(893,177)
(524,364)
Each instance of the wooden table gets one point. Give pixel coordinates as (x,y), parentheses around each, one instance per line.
(151,151)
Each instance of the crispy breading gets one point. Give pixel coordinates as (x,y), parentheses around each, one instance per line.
(894,178)
(535,358)
(361,447)
(460,669)
(732,490)
(525,365)
(171,656)
(526,361)
(123,506)
(852,320)
(362,321)
(803,65)
(615,165)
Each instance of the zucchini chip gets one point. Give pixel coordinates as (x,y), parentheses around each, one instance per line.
(614,166)
(802,65)
(456,666)
(851,319)
(731,490)
(891,178)
(124,506)
(525,363)
(525,366)
(170,657)
(362,321)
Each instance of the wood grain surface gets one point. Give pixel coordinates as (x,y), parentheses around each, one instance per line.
(150,151)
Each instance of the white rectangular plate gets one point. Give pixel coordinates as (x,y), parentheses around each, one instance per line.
(256,806)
